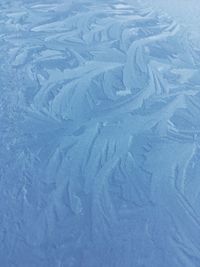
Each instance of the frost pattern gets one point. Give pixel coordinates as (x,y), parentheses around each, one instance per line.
(99,135)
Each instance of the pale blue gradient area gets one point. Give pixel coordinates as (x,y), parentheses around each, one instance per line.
(99,135)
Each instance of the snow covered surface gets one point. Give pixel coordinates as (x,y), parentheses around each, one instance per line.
(99,135)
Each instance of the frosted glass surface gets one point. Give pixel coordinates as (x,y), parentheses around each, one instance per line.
(99,133)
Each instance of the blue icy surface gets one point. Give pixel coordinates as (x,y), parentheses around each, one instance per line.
(99,136)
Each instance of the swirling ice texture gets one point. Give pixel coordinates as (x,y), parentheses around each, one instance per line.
(99,127)
(185,12)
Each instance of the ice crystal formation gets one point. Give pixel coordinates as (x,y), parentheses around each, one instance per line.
(99,136)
